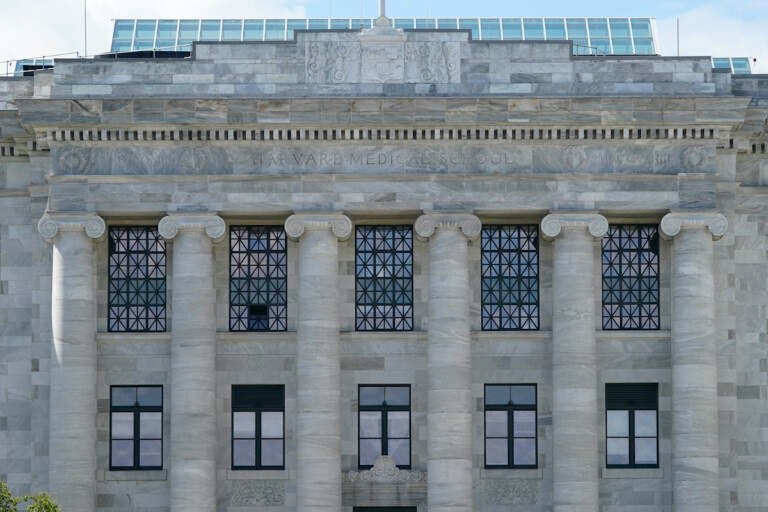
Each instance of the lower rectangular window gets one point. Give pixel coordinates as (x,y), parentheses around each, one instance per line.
(631,425)
(136,427)
(510,426)
(258,427)
(384,425)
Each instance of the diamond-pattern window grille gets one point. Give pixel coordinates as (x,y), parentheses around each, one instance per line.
(630,262)
(136,279)
(384,278)
(258,283)
(510,278)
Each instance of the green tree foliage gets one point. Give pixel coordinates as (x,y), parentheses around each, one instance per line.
(42,502)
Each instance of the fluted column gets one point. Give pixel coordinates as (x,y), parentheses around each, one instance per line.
(318,418)
(72,423)
(449,403)
(694,360)
(574,359)
(193,360)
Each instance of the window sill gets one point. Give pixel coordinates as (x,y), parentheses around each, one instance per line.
(512,474)
(632,473)
(136,476)
(257,474)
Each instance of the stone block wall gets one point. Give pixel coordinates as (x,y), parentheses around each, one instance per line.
(508,131)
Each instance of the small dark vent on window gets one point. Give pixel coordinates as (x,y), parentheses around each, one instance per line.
(258,317)
(638,396)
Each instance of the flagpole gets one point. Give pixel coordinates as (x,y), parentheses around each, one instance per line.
(85,27)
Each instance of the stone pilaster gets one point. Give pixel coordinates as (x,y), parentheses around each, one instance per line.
(193,360)
(449,405)
(72,427)
(318,419)
(574,359)
(694,359)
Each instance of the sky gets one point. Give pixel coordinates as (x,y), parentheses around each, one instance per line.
(34,28)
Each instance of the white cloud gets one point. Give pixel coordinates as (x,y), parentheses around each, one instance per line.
(719,30)
(47,27)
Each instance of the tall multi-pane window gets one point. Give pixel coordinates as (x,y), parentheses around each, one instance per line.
(384,278)
(384,424)
(258,427)
(630,262)
(510,278)
(136,427)
(632,425)
(258,281)
(510,426)
(136,279)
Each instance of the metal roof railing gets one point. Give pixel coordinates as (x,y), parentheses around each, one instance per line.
(16,67)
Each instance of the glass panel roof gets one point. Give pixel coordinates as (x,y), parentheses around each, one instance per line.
(590,35)
(737,65)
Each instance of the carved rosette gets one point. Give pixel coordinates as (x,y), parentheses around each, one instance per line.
(555,223)
(384,470)
(213,225)
(52,224)
(339,224)
(427,224)
(673,223)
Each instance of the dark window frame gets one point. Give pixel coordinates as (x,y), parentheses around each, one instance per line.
(277,287)
(384,509)
(136,410)
(510,409)
(384,409)
(257,432)
(631,408)
(645,314)
(120,322)
(368,322)
(493,317)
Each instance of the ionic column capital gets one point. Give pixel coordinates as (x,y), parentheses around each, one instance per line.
(673,223)
(339,224)
(52,224)
(427,224)
(555,223)
(213,225)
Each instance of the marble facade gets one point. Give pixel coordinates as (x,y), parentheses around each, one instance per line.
(428,129)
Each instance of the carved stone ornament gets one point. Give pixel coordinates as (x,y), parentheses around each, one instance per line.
(267,493)
(214,226)
(339,224)
(673,223)
(384,470)
(427,224)
(53,223)
(506,492)
(554,223)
